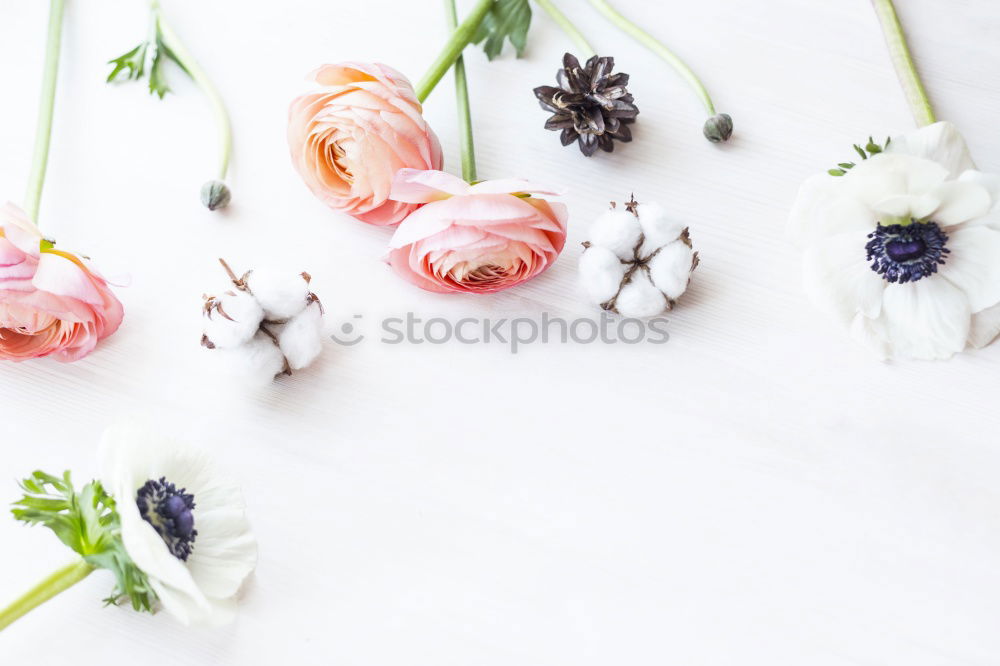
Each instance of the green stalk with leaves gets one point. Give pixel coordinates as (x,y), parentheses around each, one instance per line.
(147,61)
(87,522)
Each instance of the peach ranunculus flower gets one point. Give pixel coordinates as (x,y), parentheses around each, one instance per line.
(51,303)
(350,137)
(473,238)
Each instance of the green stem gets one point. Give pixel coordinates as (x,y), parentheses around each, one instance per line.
(460,38)
(571,30)
(464,112)
(57,582)
(913,88)
(659,49)
(43,130)
(200,77)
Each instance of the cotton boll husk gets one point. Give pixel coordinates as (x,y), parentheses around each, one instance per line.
(657,227)
(257,362)
(670,269)
(601,272)
(281,294)
(244,316)
(617,230)
(639,298)
(301,339)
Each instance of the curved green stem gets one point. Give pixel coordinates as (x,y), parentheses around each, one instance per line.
(43,130)
(464,111)
(58,581)
(200,77)
(913,88)
(659,49)
(460,38)
(571,30)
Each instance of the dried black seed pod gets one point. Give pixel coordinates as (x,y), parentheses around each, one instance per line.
(591,106)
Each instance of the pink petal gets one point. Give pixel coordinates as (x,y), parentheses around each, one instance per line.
(62,276)
(423,186)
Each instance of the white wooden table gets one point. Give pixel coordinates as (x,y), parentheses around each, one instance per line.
(757,491)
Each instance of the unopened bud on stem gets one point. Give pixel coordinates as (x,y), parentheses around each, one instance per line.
(719,128)
(215,194)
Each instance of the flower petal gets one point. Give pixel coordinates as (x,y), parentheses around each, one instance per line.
(960,202)
(821,209)
(64,275)
(423,186)
(940,142)
(974,264)
(989,181)
(225,552)
(985,327)
(927,319)
(837,277)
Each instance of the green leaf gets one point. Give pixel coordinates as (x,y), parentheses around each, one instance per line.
(507,19)
(87,522)
(130,63)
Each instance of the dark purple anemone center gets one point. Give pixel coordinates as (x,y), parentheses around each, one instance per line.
(907,252)
(171,513)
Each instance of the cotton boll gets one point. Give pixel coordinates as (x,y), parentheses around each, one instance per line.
(618,231)
(601,271)
(639,298)
(257,362)
(281,294)
(301,339)
(671,269)
(231,319)
(657,228)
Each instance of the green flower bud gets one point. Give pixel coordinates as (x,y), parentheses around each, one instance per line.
(719,128)
(215,194)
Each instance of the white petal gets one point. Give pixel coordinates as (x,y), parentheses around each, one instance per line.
(225,551)
(927,319)
(885,176)
(906,207)
(940,142)
(824,206)
(974,264)
(989,181)
(657,227)
(960,202)
(670,270)
(301,339)
(870,333)
(188,611)
(985,327)
(837,277)
(617,230)
(639,298)
(601,272)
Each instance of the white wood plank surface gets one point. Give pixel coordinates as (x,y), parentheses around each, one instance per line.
(757,491)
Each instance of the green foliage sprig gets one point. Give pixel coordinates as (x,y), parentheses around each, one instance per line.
(88,522)
(507,19)
(869,150)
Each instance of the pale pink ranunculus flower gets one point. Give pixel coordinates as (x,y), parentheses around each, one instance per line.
(349,137)
(473,238)
(51,302)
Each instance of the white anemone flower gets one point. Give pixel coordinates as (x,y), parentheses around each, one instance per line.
(182,523)
(904,249)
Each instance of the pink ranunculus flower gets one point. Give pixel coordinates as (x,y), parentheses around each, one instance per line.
(350,137)
(473,238)
(51,303)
